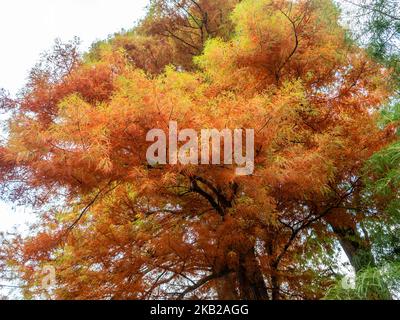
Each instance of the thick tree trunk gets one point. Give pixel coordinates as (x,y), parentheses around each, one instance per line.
(356,249)
(245,284)
(251,281)
(275,287)
(274,279)
(359,253)
(227,287)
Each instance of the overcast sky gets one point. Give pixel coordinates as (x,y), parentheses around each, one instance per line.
(29,27)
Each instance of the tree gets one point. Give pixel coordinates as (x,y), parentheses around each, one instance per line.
(377,29)
(121,228)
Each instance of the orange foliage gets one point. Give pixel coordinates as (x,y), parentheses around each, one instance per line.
(127,230)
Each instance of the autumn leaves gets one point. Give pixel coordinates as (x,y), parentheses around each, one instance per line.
(176,229)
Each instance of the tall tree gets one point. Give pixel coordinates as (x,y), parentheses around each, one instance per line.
(121,228)
(377,29)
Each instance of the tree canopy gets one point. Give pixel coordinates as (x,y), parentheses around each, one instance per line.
(115,227)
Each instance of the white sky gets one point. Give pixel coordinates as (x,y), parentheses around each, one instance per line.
(29,27)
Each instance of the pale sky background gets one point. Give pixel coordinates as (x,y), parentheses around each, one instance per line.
(29,27)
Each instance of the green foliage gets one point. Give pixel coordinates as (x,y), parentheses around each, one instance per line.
(371,284)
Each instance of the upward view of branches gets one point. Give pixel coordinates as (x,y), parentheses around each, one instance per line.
(323,103)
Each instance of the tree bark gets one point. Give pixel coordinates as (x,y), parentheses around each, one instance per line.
(227,287)
(357,250)
(251,280)
(359,253)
